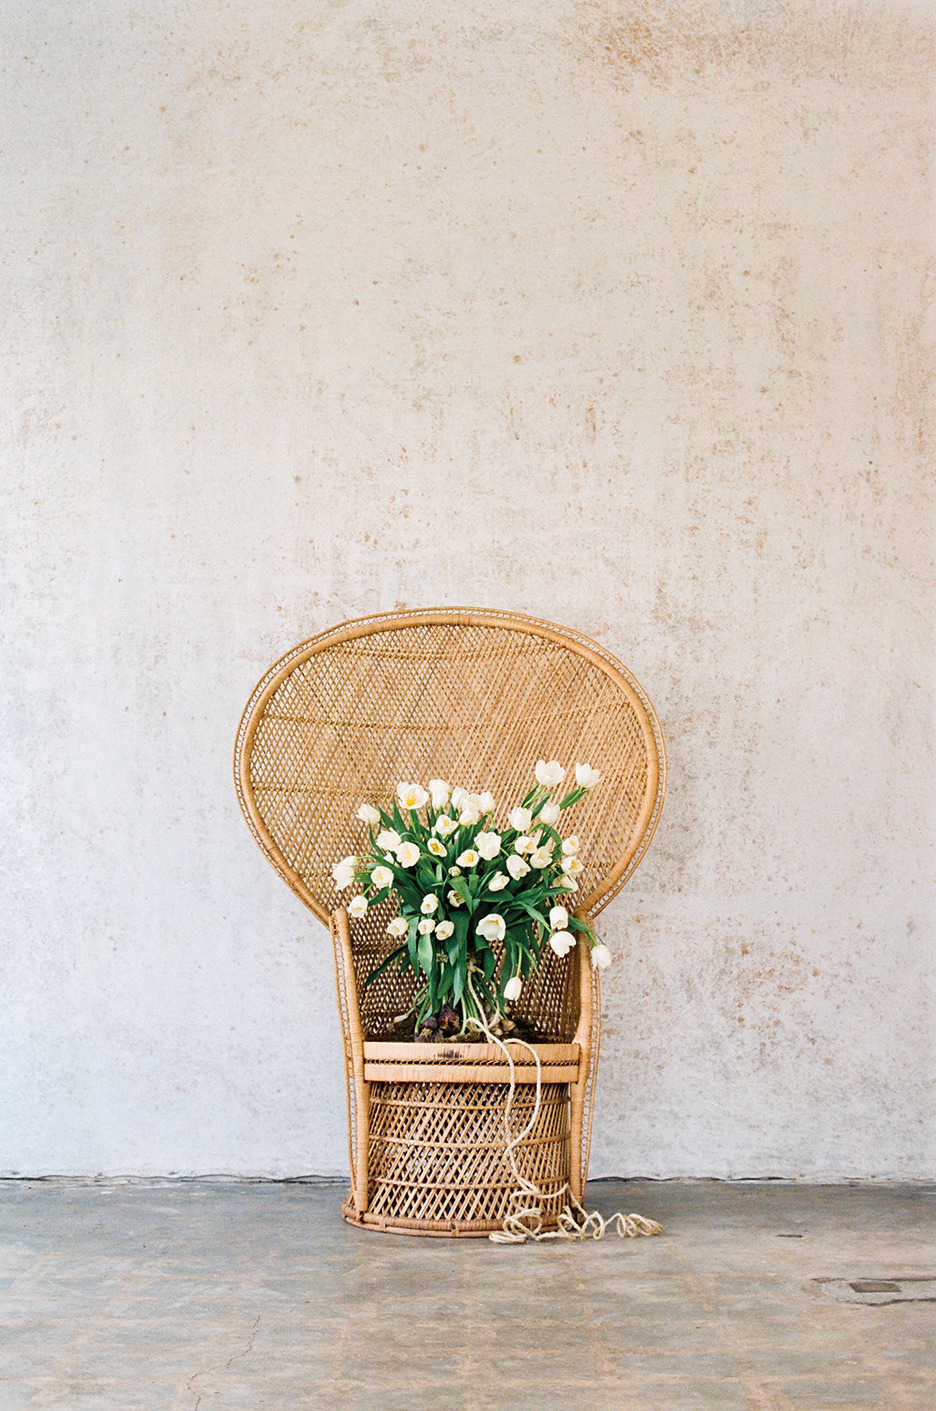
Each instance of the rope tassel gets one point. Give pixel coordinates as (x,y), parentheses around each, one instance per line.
(592,1226)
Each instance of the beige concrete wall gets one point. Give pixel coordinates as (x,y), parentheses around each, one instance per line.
(611,313)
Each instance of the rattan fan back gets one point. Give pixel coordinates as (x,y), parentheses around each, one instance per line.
(472,696)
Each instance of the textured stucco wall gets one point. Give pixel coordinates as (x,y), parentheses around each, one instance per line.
(611,313)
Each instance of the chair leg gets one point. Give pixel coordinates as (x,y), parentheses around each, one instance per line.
(361,1174)
(358,1089)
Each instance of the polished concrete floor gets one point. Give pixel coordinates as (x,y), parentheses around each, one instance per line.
(190,1295)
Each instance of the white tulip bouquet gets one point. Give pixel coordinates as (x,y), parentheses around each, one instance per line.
(463,888)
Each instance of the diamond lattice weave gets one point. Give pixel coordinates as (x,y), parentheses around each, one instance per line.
(437,1153)
(474,703)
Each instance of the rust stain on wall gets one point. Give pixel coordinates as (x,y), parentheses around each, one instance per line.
(663,41)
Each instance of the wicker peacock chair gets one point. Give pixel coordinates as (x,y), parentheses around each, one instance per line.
(476,697)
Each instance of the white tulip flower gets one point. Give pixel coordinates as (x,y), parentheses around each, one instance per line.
(444,930)
(439,790)
(469,858)
(488,845)
(436,848)
(430,903)
(357,907)
(454,871)
(426,927)
(549,775)
(572,866)
(570,846)
(601,956)
(398,926)
(558,918)
(586,777)
(407,854)
(382,877)
(520,818)
(524,844)
(498,882)
(517,867)
(493,927)
(388,840)
(486,802)
(367,814)
(541,858)
(459,796)
(343,872)
(561,942)
(469,817)
(513,988)
(549,813)
(454,899)
(412,795)
(444,826)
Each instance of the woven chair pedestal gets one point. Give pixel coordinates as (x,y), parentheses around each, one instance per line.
(437,1162)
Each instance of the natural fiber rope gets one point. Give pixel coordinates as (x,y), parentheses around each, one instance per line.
(591,1226)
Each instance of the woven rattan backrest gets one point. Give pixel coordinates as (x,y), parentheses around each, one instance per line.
(467,695)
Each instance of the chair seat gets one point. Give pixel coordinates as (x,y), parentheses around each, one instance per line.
(469,1063)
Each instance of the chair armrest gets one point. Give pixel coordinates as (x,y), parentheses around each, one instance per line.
(346,983)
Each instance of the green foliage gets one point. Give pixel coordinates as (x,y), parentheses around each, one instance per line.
(490,933)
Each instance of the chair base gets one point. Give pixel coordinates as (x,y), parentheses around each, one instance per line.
(437,1162)
(453,1229)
